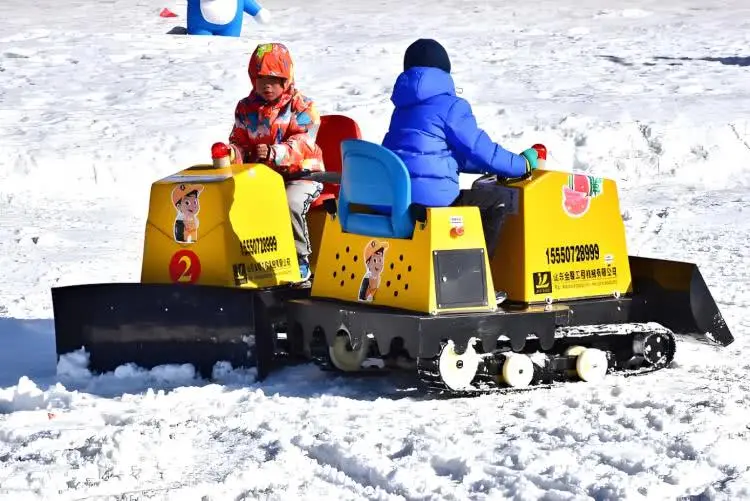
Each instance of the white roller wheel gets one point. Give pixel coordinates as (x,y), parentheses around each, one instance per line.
(574,351)
(346,359)
(456,370)
(518,370)
(591,365)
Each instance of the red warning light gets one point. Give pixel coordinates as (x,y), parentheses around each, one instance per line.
(541,151)
(219,150)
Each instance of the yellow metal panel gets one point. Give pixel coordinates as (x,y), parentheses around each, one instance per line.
(315,221)
(440,222)
(563,239)
(394,272)
(226,227)
(386,272)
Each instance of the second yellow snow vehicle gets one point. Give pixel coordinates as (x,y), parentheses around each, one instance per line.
(414,287)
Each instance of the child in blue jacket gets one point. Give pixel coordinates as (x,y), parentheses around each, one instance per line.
(436,135)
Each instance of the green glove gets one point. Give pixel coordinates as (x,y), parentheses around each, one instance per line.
(532,157)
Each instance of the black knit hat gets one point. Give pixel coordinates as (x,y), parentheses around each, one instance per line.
(427,52)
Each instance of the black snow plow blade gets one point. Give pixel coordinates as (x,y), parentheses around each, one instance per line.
(675,294)
(157,324)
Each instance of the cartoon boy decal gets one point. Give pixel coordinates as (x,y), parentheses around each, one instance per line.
(185,200)
(374,256)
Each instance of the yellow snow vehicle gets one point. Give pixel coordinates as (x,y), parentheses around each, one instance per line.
(218,264)
(414,287)
(395,285)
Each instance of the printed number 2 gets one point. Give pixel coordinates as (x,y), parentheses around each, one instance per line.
(185,275)
(184,267)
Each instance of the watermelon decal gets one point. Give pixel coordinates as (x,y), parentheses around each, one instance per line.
(577,194)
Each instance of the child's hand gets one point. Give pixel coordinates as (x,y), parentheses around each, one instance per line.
(264,153)
(235,154)
(532,158)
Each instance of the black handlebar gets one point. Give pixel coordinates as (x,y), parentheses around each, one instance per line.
(321,177)
(503,180)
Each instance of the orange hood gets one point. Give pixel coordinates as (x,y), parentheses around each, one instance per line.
(272,59)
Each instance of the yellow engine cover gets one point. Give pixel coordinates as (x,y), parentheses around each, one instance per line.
(401,272)
(563,238)
(228,227)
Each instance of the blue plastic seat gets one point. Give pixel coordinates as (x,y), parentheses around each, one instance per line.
(373,176)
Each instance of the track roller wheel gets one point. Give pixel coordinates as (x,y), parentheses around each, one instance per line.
(344,357)
(591,364)
(658,349)
(457,371)
(574,351)
(518,370)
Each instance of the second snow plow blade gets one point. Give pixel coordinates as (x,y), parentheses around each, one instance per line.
(675,294)
(157,324)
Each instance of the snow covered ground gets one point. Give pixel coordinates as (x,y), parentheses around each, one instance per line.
(97,101)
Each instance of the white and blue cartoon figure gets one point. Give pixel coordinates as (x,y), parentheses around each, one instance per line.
(222,17)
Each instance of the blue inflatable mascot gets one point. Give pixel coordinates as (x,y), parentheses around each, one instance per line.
(222,17)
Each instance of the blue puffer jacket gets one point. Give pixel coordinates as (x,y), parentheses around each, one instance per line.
(436,135)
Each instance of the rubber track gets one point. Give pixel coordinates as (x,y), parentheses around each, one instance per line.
(430,381)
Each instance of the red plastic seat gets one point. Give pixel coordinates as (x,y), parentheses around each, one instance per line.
(333,130)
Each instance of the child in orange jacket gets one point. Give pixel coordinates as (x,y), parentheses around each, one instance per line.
(278,126)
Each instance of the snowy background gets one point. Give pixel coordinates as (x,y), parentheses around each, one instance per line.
(97,101)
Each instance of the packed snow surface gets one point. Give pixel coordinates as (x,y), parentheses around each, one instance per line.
(97,101)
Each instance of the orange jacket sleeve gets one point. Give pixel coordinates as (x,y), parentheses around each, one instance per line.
(299,144)
(238,138)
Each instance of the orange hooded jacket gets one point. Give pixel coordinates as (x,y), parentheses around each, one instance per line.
(290,124)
